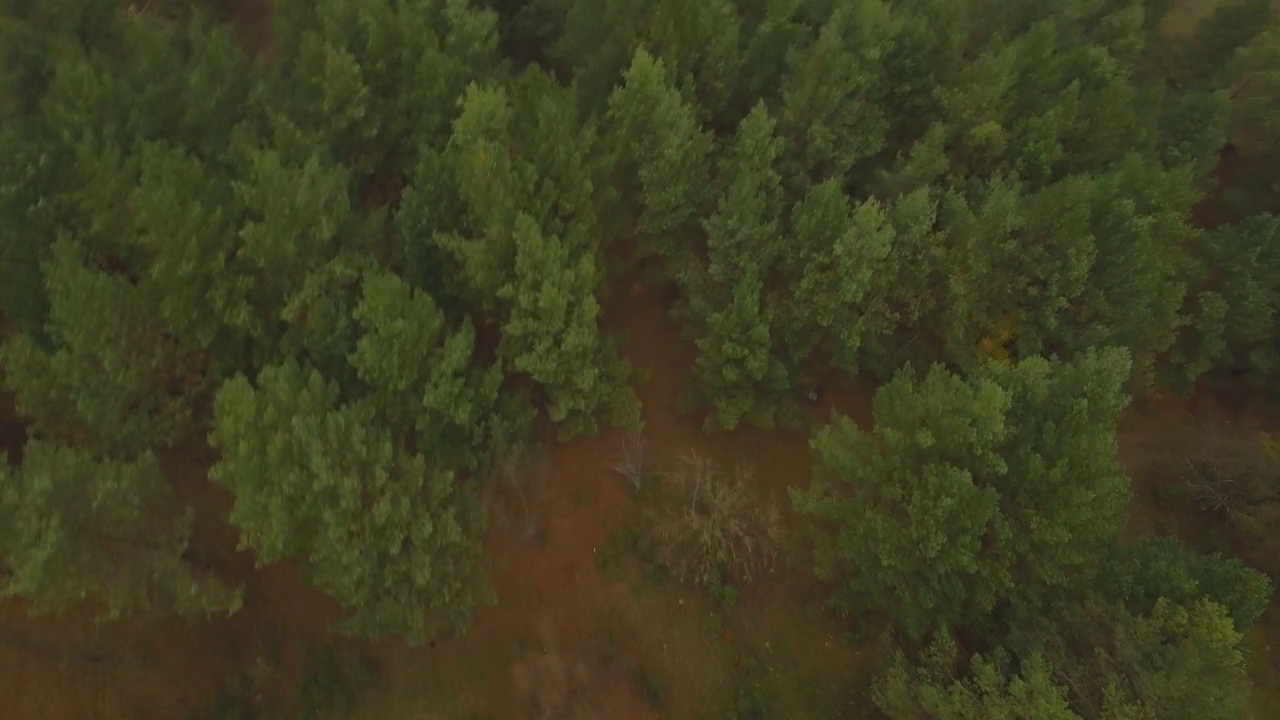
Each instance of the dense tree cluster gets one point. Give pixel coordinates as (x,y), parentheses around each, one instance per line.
(366,260)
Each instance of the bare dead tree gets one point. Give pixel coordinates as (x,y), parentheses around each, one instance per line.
(1230,469)
(631,465)
(716,525)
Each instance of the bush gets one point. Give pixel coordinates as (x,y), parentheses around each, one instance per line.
(716,530)
(332,684)
(1230,470)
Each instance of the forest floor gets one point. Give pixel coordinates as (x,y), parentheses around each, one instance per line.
(568,638)
(574,635)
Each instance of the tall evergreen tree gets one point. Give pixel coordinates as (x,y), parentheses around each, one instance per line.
(76,528)
(966,483)
(737,369)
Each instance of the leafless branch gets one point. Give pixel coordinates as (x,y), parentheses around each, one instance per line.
(1230,469)
(632,463)
(719,527)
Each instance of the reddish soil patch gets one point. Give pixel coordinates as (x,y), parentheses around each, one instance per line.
(252,20)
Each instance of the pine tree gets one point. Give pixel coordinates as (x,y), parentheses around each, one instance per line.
(832,114)
(965,482)
(389,533)
(112,378)
(76,528)
(736,367)
(658,134)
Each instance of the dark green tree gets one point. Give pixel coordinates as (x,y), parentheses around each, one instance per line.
(737,369)
(1234,326)
(426,378)
(553,335)
(910,511)
(113,378)
(1174,661)
(75,528)
(1158,567)
(966,484)
(835,301)
(1103,663)
(372,82)
(831,115)
(531,257)
(389,532)
(661,141)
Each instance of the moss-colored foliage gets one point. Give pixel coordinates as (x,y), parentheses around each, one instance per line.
(369,82)
(386,530)
(1174,661)
(1162,567)
(112,377)
(425,376)
(661,141)
(831,115)
(1104,663)
(736,370)
(983,687)
(1239,298)
(370,257)
(529,254)
(75,528)
(964,482)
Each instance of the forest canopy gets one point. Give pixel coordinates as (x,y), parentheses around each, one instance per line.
(368,259)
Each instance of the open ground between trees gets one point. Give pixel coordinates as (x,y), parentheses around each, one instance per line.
(368,264)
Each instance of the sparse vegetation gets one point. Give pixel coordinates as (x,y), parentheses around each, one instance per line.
(714,529)
(1230,470)
(632,465)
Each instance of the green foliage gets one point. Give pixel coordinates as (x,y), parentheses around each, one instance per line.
(386,243)
(1177,662)
(651,688)
(736,369)
(387,531)
(77,528)
(837,255)
(984,687)
(425,377)
(335,676)
(658,134)
(932,436)
(115,379)
(963,482)
(1240,298)
(553,333)
(633,541)
(749,704)
(1102,663)
(371,82)
(1255,117)
(831,115)
(534,258)
(1161,567)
